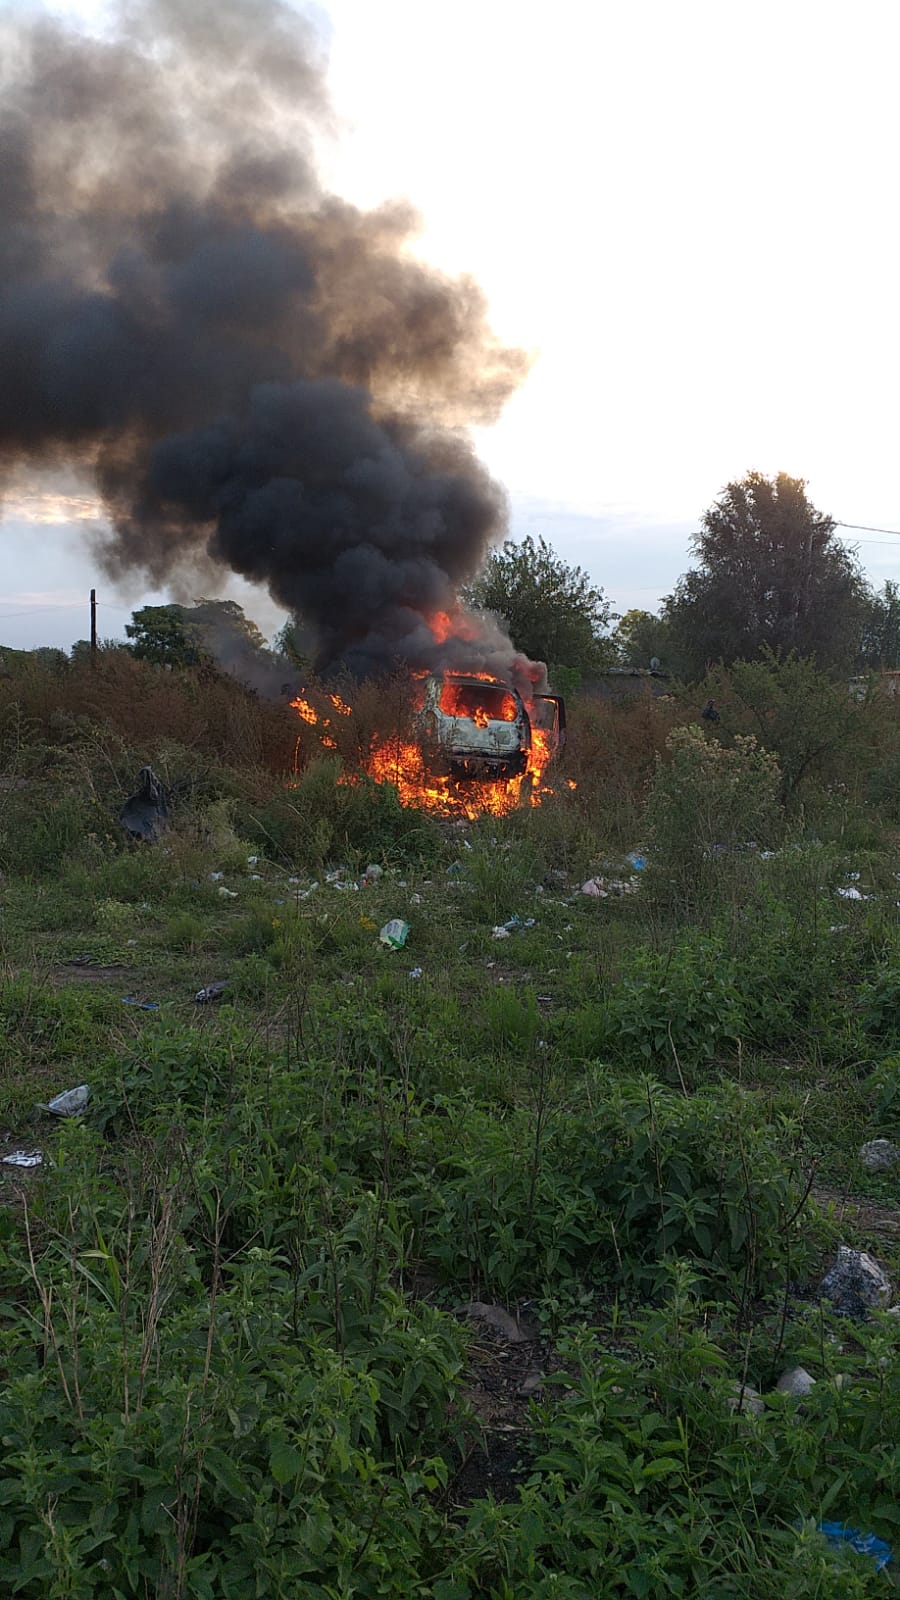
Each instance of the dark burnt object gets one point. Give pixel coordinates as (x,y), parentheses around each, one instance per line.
(146,813)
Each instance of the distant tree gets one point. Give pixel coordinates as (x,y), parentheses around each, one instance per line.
(50,657)
(214,625)
(292,644)
(771,573)
(641,637)
(881,628)
(182,636)
(552,610)
(158,634)
(81,649)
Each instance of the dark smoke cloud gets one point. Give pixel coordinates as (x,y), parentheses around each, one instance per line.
(256,374)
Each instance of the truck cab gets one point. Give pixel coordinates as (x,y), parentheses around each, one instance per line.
(480,728)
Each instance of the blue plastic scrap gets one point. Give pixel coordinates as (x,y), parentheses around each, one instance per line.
(142,1005)
(865,1544)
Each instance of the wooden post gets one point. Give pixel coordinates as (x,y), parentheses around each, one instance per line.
(93,627)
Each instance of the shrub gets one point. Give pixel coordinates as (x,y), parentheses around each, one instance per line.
(642,1175)
(707,805)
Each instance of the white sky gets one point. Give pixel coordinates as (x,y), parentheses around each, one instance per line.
(685,211)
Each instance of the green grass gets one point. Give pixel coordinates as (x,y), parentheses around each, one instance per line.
(230,1360)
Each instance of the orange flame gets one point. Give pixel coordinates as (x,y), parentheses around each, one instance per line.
(403,763)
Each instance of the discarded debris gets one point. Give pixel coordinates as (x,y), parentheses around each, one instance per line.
(68,1104)
(372,873)
(595,887)
(637,861)
(227,894)
(145,813)
(512,925)
(212,991)
(416,972)
(865,1544)
(856,1283)
(142,1005)
(394,933)
(23,1158)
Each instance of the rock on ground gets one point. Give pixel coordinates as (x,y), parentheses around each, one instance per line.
(879,1154)
(746,1399)
(856,1283)
(796,1381)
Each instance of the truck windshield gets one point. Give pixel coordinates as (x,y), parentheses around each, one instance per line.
(480,702)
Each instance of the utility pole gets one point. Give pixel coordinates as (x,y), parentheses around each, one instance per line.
(93,627)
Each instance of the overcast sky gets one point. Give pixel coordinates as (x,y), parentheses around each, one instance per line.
(686,213)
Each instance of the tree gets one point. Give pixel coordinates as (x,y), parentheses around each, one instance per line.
(158,634)
(295,644)
(641,637)
(881,628)
(182,636)
(552,610)
(771,573)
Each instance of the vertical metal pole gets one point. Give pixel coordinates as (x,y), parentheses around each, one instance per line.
(93,627)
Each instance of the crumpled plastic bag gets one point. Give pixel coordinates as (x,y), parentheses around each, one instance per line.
(70,1103)
(865,1544)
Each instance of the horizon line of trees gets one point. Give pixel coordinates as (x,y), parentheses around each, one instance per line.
(770,576)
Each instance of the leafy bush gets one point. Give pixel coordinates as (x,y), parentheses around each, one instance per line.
(673,1011)
(707,805)
(642,1175)
(879,1007)
(324,816)
(884,1084)
(645,1483)
(805,719)
(276,1429)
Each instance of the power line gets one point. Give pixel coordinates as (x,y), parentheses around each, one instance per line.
(886,544)
(39,611)
(859,527)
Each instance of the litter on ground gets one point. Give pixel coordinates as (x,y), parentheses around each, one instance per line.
(212,991)
(68,1104)
(865,1544)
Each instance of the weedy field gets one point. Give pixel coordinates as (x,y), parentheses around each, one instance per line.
(467,1269)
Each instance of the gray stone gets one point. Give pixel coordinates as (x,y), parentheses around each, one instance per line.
(796,1381)
(879,1154)
(532,1383)
(523,1328)
(856,1283)
(745,1399)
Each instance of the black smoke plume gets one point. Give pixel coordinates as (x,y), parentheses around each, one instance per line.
(256,374)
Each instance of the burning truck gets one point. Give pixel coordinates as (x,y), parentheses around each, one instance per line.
(472,744)
(480,729)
